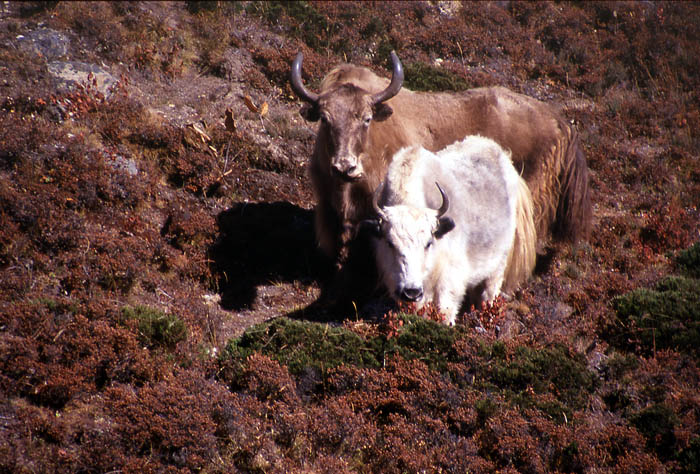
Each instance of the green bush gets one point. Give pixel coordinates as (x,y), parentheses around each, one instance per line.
(667,316)
(310,25)
(689,458)
(657,423)
(550,379)
(156,329)
(689,260)
(422,77)
(300,345)
(524,374)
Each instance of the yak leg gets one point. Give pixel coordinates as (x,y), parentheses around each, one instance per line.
(331,215)
(449,297)
(346,229)
(492,288)
(344,240)
(353,281)
(327,226)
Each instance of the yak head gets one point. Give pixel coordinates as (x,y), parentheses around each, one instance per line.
(346,113)
(405,250)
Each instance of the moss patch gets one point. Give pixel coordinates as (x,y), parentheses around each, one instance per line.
(300,345)
(689,260)
(657,424)
(156,329)
(308,24)
(667,316)
(430,342)
(529,376)
(549,379)
(422,77)
(689,458)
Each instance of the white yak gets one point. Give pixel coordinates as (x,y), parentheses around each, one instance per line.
(451,224)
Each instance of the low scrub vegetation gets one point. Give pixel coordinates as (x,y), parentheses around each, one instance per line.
(159,272)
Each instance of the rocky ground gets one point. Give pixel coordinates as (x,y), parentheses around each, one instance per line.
(158,268)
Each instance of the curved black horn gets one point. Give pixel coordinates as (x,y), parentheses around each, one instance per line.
(297,84)
(445,202)
(396,81)
(375,201)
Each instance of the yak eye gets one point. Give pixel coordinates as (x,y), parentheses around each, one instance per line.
(366,121)
(430,242)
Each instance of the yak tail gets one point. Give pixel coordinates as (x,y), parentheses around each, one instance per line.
(574,211)
(521,259)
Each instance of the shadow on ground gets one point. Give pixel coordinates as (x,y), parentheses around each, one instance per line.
(260,243)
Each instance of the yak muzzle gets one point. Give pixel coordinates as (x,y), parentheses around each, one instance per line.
(411,295)
(347,171)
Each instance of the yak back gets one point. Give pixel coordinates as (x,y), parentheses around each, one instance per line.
(476,176)
(531,130)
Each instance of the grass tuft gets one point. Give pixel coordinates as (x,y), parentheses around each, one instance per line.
(689,260)
(156,328)
(665,317)
(422,77)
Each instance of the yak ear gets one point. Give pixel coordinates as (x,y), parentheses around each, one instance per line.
(310,112)
(445,224)
(381,112)
(373,226)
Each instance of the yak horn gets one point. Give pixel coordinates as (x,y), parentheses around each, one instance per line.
(396,81)
(297,84)
(375,201)
(445,202)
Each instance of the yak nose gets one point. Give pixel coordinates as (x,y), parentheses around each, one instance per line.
(411,294)
(344,169)
(348,173)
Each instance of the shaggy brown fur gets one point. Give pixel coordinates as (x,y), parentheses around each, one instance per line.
(544,148)
(522,256)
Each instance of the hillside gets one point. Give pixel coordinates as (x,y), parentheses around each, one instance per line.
(159,275)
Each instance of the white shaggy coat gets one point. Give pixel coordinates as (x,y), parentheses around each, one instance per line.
(417,259)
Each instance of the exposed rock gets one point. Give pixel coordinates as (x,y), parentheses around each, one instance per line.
(126,165)
(45,42)
(71,73)
(449,8)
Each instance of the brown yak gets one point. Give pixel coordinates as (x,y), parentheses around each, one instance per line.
(366,119)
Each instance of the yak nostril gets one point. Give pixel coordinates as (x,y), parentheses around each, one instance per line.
(411,294)
(348,173)
(343,168)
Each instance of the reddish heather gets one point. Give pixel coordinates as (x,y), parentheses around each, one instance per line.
(155,206)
